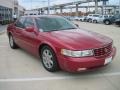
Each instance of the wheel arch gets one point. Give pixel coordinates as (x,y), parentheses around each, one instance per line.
(53,48)
(9,33)
(46,44)
(106,20)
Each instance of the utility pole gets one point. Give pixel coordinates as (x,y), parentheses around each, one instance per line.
(48,6)
(31,4)
(88,6)
(96,6)
(119,6)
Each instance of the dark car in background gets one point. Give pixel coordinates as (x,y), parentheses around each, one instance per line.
(111,19)
(117,22)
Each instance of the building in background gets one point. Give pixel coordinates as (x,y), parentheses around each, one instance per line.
(31,12)
(8,8)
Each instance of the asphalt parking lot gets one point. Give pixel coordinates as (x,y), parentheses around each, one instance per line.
(20,70)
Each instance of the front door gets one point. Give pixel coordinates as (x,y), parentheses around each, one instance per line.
(18,31)
(30,38)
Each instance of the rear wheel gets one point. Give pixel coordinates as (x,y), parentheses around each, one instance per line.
(13,45)
(49,59)
(107,22)
(94,21)
(90,20)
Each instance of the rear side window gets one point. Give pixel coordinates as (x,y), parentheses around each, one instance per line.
(105,16)
(90,15)
(20,22)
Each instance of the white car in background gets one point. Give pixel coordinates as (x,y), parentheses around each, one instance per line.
(92,17)
(80,18)
(77,18)
(83,18)
(100,19)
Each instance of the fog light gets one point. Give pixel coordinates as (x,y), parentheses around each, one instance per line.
(82,69)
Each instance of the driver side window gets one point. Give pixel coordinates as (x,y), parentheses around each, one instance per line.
(20,22)
(29,22)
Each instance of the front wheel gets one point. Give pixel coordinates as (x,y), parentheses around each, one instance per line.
(90,20)
(13,45)
(94,21)
(49,59)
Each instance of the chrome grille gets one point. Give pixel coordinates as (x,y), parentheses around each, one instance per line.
(103,51)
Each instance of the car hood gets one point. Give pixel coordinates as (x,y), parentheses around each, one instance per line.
(78,39)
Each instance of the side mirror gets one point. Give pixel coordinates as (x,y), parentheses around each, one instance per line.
(30,29)
(77,25)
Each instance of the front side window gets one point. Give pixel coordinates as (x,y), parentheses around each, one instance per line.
(20,22)
(29,22)
(54,24)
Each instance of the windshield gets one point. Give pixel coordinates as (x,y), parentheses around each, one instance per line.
(54,24)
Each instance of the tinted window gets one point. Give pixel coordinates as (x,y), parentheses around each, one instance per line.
(110,16)
(101,16)
(29,22)
(31,14)
(20,22)
(95,15)
(117,16)
(105,16)
(54,24)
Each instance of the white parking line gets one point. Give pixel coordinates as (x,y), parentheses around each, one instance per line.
(55,78)
(3,46)
(3,41)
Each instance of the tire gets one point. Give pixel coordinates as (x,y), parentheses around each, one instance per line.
(107,22)
(94,21)
(12,44)
(90,20)
(49,59)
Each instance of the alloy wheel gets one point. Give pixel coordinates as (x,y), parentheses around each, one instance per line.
(47,58)
(11,41)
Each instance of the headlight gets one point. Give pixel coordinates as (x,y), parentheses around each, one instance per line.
(77,53)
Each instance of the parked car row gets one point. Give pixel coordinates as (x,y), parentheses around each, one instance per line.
(97,18)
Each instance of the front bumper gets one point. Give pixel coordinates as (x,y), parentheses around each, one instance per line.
(117,22)
(79,64)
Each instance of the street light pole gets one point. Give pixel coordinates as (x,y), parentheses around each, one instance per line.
(31,4)
(96,6)
(119,6)
(48,6)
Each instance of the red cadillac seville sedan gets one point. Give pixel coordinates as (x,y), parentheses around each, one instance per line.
(60,44)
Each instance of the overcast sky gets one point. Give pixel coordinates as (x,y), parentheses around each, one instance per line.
(30,4)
